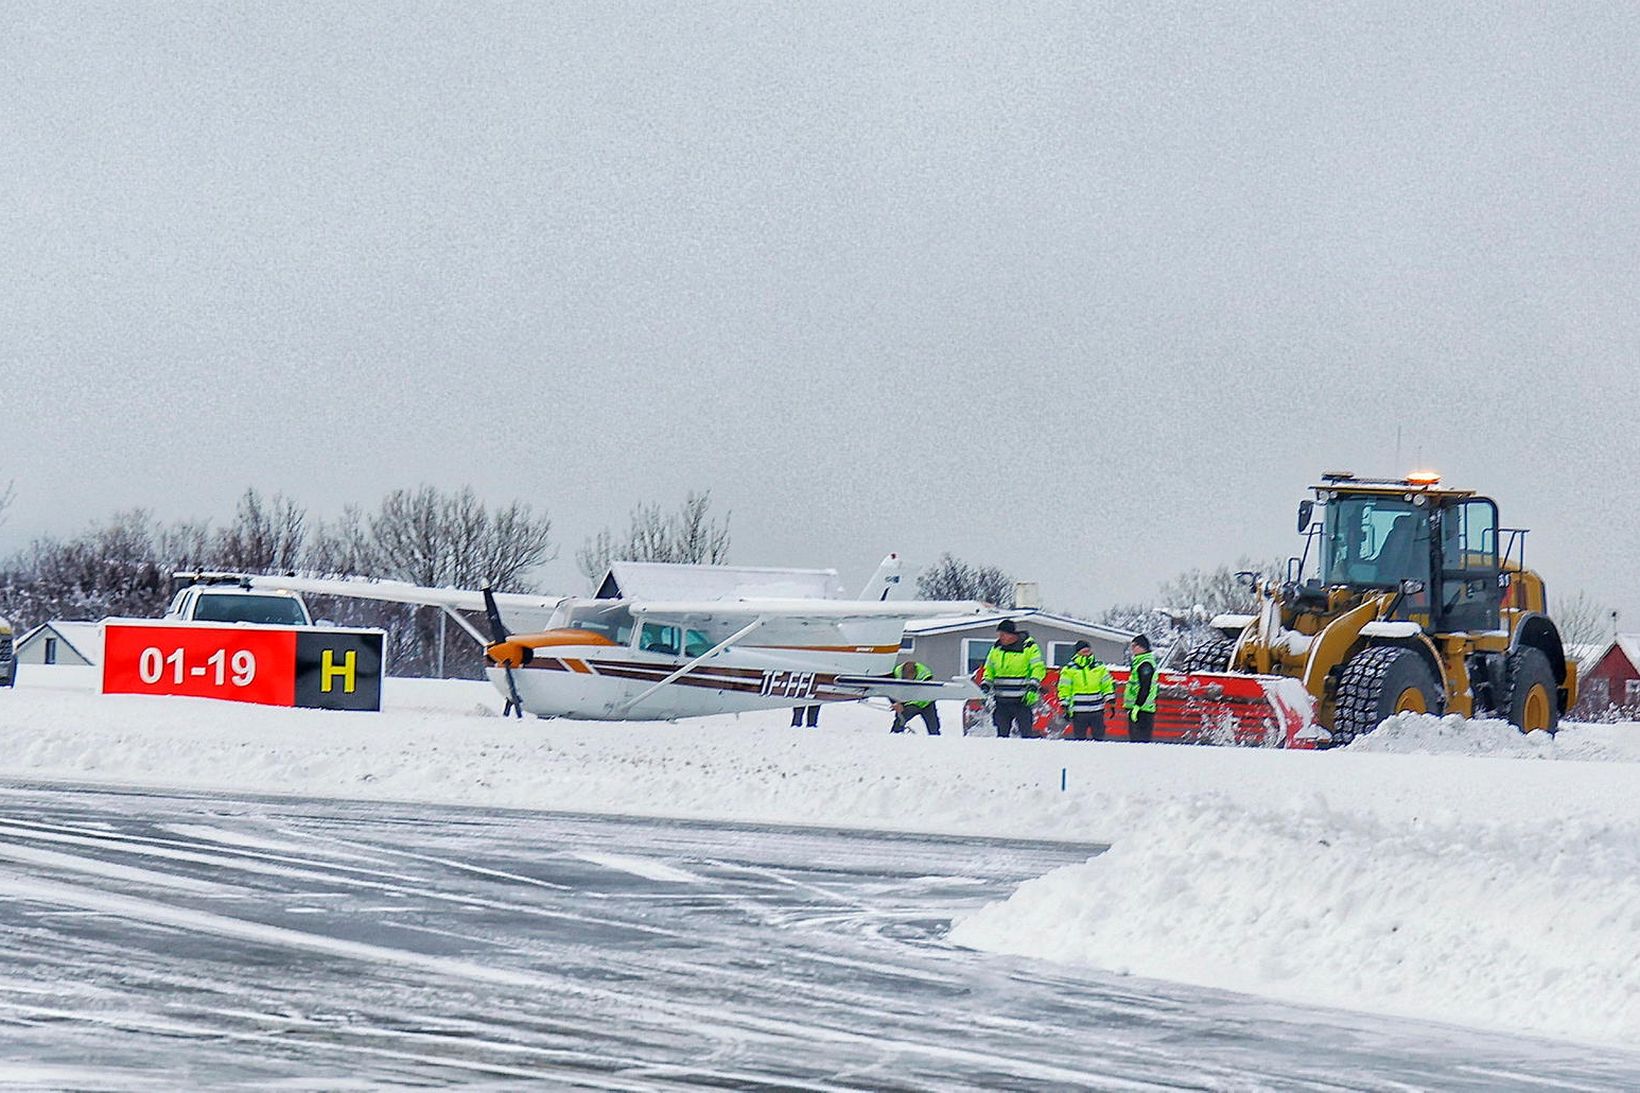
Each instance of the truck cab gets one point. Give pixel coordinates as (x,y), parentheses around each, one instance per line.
(230,604)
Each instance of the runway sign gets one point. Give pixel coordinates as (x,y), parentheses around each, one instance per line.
(329,669)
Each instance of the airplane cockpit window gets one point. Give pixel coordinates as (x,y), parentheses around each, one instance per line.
(660,637)
(656,637)
(613,621)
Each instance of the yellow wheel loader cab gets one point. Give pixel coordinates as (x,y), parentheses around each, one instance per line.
(1409,598)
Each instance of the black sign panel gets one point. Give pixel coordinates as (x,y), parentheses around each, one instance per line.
(338,671)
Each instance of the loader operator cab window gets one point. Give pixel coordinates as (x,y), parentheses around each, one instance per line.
(1470,595)
(1377,542)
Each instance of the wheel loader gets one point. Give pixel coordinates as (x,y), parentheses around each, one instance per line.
(1416,600)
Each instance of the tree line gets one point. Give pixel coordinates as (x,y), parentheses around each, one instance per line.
(122,566)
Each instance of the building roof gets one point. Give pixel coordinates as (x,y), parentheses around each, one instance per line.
(85,638)
(1627,644)
(1630,644)
(950,624)
(1588,654)
(672,581)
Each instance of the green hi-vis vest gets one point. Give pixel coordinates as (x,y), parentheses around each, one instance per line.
(1084,684)
(919,672)
(1013,672)
(1149,704)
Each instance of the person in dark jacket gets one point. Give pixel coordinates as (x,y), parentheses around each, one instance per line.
(1140,693)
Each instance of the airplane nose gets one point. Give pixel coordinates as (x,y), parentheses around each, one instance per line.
(509,654)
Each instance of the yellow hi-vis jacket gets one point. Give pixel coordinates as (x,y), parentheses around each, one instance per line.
(1012,673)
(918,674)
(1085,685)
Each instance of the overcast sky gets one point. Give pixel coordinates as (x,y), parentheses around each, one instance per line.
(1088,291)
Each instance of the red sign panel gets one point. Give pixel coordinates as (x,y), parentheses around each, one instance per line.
(239,663)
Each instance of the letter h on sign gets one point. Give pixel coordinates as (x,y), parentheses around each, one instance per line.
(329,672)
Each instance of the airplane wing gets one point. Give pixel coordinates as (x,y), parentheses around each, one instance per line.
(911,690)
(817,610)
(460,599)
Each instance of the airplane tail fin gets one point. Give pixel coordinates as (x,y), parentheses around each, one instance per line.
(887,582)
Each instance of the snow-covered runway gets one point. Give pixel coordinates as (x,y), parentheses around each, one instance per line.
(154,940)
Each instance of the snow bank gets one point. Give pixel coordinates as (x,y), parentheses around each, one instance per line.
(1426,872)
(1412,733)
(1534,925)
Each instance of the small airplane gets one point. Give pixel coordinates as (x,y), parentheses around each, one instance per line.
(734,640)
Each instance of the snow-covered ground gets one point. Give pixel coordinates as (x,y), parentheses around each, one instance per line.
(1425,871)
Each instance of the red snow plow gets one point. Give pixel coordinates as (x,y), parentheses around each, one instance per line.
(1194,708)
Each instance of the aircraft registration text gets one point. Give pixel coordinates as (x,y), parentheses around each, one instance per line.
(788,684)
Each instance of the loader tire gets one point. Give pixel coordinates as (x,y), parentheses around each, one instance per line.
(1531,703)
(1212,655)
(1378,683)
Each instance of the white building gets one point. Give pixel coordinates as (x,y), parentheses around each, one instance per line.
(62,643)
(958,645)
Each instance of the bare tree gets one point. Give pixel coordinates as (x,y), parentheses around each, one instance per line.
(437,539)
(343,546)
(1582,622)
(1217,590)
(265,536)
(950,578)
(1198,592)
(7,496)
(1184,604)
(688,535)
(115,568)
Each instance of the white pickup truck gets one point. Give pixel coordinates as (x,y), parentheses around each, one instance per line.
(231,603)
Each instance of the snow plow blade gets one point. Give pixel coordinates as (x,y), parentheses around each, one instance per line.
(1227,708)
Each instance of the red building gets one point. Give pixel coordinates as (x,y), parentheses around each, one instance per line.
(1613,679)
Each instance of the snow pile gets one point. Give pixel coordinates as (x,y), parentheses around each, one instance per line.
(1426,734)
(1534,925)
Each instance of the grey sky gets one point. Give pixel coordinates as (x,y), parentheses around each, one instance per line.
(1089,291)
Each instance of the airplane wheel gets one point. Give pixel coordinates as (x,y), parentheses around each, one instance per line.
(1212,655)
(1377,684)
(1532,702)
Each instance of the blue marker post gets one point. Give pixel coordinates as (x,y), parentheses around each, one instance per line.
(1062,771)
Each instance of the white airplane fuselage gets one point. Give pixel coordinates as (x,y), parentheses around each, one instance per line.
(573,674)
(600,682)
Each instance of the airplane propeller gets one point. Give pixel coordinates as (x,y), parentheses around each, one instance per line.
(498,632)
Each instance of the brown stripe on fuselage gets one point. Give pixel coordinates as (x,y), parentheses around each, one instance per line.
(738,680)
(878,649)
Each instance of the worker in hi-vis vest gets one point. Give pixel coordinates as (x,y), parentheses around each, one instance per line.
(1013,678)
(1140,694)
(905,711)
(1085,687)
